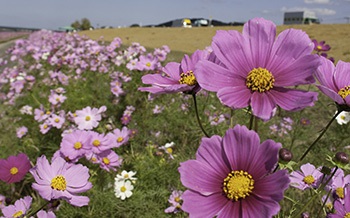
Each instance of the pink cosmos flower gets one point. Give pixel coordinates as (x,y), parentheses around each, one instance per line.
(232,176)
(44,214)
(321,46)
(109,160)
(334,80)
(99,142)
(19,209)
(60,180)
(21,131)
(256,68)
(338,184)
(88,118)
(175,200)
(56,99)
(342,210)
(2,201)
(175,77)
(14,168)
(120,137)
(76,144)
(147,62)
(308,177)
(56,121)
(45,127)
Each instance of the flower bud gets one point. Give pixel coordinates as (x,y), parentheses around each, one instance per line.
(342,157)
(285,154)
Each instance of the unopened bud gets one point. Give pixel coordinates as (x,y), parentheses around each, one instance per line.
(342,157)
(285,154)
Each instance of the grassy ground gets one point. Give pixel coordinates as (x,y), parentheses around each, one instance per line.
(187,40)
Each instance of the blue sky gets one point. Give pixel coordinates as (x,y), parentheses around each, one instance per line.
(50,14)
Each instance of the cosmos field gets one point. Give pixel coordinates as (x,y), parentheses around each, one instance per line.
(253,122)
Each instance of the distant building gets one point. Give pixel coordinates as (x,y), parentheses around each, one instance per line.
(195,22)
(300,17)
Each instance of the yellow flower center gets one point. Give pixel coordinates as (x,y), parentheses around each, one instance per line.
(319,47)
(120,139)
(123,189)
(169,150)
(17,214)
(126,176)
(59,183)
(188,78)
(177,199)
(77,145)
(260,79)
(93,159)
(347,215)
(14,170)
(96,143)
(148,64)
(87,118)
(57,120)
(238,184)
(106,161)
(309,179)
(343,92)
(48,112)
(45,126)
(340,192)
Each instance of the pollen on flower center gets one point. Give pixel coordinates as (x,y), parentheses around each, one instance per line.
(188,78)
(59,183)
(14,170)
(319,47)
(148,64)
(96,143)
(77,145)
(120,139)
(347,215)
(106,161)
(57,120)
(260,79)
(87,118)
(123,189)
(238,184)
(340,192)
(343,92)
(17,214)
(309,179)
(169,150)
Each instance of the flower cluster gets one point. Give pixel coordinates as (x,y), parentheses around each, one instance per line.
(122,185)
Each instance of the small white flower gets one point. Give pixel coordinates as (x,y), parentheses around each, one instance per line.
(125,176)
(168,149)
(26,109)
(343,118)
(123,189)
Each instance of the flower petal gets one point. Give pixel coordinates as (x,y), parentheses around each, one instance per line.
(261,35)
(262,105)
(235,96)
(200,177)
(342,76)
(198,205)
(292,99)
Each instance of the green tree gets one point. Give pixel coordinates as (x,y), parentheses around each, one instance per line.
(76,25)
(85,24)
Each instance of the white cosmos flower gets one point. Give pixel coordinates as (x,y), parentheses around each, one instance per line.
(125,176)
(123,189)
(343,118)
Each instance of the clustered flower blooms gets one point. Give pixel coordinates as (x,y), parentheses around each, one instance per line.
(122,185)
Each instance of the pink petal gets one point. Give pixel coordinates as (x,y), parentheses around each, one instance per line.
(235,97)
(292,99)
(262,105)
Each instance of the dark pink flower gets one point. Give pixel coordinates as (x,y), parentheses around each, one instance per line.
(233,177)
(14,168)
(321,46)
(257,69)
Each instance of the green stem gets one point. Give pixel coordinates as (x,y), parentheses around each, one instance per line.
(37,210)
(198,119)
(251,121)
(320,136)
(324,203)
(231,119)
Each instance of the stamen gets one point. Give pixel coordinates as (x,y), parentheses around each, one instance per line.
(59,183)
(238,185)
(309,179)
(260,79)
(344,92)
(188,78)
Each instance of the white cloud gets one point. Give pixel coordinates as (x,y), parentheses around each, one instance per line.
(317,1)
(318,11)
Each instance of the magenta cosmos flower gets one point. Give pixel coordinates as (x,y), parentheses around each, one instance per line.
(334,81)
(321,46)
(14,168)
(232,177)
(19,209)
(61,180)
(175,77)
(342,210)
(256,68)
